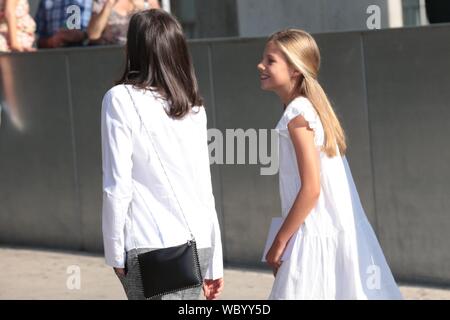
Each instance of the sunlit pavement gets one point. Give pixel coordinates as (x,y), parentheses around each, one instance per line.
(42,274)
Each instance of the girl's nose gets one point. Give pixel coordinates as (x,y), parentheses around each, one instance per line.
(260,67)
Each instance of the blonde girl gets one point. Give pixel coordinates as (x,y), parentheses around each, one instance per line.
(333,251)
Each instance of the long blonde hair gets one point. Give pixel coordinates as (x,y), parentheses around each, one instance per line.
(302,52)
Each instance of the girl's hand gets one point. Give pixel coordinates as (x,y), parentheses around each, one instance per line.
(212,288)
(275,253)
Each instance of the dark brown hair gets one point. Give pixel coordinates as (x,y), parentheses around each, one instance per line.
(157,56)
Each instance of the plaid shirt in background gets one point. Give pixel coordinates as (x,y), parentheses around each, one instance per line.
(51,15)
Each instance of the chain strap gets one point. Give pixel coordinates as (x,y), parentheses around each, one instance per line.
(162,166)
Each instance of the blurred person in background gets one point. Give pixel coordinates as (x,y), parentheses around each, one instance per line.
(110,18)
(17,27)
(55,19)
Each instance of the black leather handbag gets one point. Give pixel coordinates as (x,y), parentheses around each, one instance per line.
(168,270)
(171,269)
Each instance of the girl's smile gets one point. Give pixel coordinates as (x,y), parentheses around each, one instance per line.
(276,74)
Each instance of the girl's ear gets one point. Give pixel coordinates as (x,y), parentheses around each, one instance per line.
(296,73)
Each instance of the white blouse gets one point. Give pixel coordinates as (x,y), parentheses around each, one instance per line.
(139,206)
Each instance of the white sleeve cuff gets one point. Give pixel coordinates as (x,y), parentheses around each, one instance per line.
(115,261)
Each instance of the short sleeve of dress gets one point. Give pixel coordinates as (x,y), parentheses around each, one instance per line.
(301,106)
(97,6)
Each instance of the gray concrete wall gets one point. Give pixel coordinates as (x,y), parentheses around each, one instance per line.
(263,17)
(256,18)
(409,112)
(206,18)
(388,87)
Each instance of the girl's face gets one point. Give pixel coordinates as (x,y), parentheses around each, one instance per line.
(276,74)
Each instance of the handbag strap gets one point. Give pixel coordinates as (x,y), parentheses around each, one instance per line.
(160,161)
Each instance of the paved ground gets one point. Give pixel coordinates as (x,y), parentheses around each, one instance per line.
(39,274)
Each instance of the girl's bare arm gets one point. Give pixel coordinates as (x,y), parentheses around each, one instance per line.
(309,168)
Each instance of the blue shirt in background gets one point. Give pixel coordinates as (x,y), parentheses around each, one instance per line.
(52,15)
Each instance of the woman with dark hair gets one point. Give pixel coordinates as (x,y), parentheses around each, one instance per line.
(156,178)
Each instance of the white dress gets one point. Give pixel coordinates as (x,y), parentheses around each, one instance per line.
(335,254)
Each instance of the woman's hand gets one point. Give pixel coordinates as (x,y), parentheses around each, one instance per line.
(120,271)
(273,256)
(212,288)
